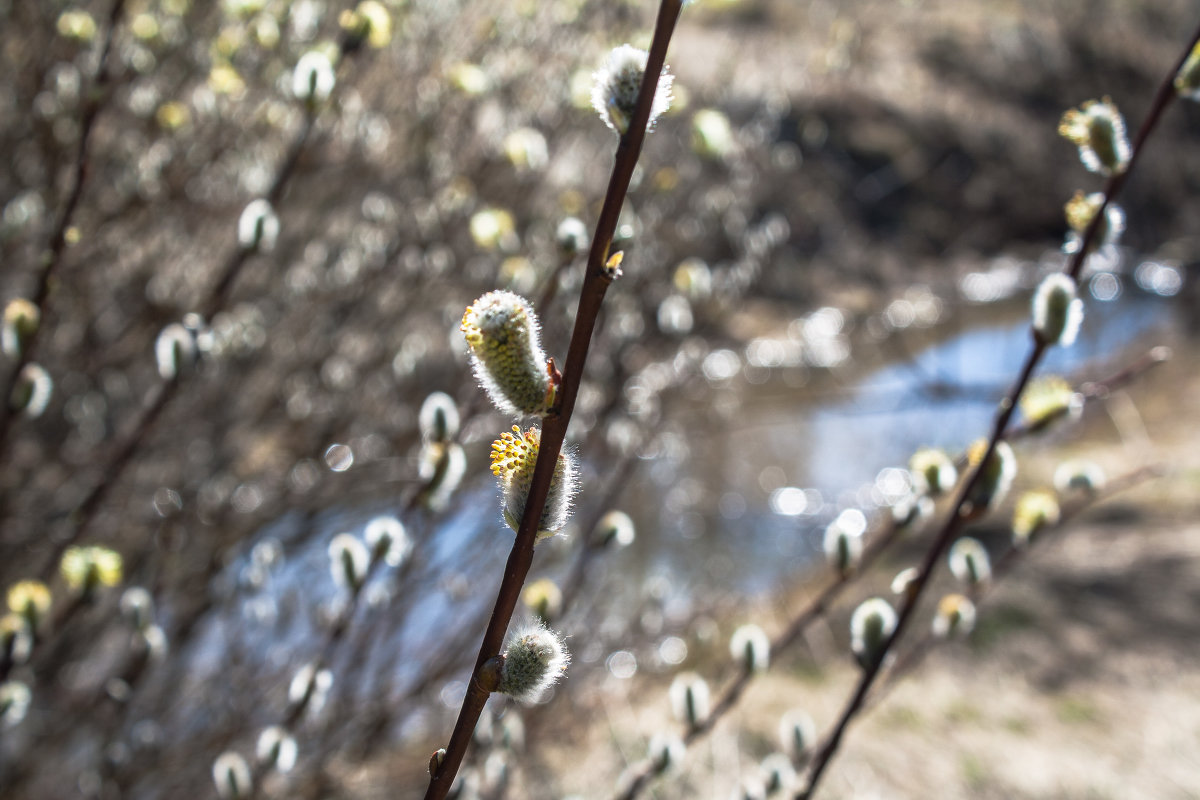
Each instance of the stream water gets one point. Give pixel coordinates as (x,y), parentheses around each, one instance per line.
(736,497)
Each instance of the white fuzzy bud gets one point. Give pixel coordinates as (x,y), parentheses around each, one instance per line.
(310,687)
(969,561)
(137,607)
(616,85)
(276,749)
(535,657)
(871,625)
(666,752)
(387,540)
(955,616)
(798,735)
(31,391)
(174,351)
(843,543)
(258,227)
(348,561)
(615,529)
(231,774)
(751,648)
(14,702)
(313,78)
(689,697)
(438,418)
(1057,310)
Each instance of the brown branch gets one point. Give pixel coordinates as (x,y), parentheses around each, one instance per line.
(595,285)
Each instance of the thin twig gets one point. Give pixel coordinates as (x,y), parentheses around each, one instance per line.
(956,519)
(94,100)
(880,543)
(1005,564)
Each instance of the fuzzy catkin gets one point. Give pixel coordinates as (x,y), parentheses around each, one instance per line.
(502,332)
(534,659)
(514,456)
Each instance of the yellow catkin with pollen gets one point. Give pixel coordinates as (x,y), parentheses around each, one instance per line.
(503,334)
(1098,130)
(514,455)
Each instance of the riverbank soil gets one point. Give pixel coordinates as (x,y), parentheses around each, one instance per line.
(1080,680)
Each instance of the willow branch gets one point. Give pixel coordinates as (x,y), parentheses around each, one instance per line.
(956,519)
(595,285)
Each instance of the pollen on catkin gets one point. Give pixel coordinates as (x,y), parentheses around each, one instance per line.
(502,333)
(514,456)
(31,599)
(535,657)
(995,478)
(1187,80)
(1057,310)
(85,568)
(933,472)
(1035,510)
(955,616)
(1080,210)
(616,84)
(21,321)
(1048,399)
(1098,130)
